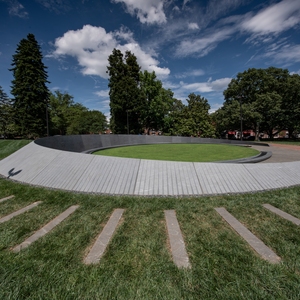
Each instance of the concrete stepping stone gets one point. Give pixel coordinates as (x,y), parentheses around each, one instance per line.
(104,238)
(179,253)
(6,198)
(282,214)
(44,230)
(264,251)
(20,211)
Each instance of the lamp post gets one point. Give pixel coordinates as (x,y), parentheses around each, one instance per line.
(127,122)
(47,120)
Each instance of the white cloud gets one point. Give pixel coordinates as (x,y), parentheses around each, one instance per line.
(209,86)
(203,45)
(147,11)
(57,6)
(193,26)
(91,46)
(297,72)
(287,54)
(102,93)
(274,19)
(190,73)
(15,8)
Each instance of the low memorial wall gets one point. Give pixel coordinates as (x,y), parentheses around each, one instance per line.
(91,142)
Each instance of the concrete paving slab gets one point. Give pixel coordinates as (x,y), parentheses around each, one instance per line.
(44,230)
(80,172)
(20,211)
(6,198)
(282,214)
(264,251)
(104,238)
(179,254)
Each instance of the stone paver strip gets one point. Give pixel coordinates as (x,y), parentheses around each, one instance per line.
(265,252)
(104,238)
(20,211)
(282,214)
(44,230)
(6,198)
(179,253)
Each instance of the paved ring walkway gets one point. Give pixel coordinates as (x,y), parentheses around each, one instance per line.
(41,166)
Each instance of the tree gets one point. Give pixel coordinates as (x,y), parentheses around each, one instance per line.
(126,100)
(158,102)
(197,121)
(265,97)
(60,112)
(29,88)
(6,113)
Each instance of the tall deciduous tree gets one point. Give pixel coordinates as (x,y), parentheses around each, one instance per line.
(158,102)
(29,88)
(126,99)
(266,97)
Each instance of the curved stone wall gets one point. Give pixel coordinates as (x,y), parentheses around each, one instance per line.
(92,142)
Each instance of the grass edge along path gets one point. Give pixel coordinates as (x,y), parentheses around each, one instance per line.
(181,152)
(137,262)
(7,147)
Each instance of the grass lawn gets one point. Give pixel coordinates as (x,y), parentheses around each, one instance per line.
(7,147)
(181,152)
(137,263)
(287,142)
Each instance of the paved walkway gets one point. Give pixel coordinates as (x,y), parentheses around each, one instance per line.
(37,165)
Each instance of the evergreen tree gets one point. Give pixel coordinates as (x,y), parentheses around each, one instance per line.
(29,89)
(126,100)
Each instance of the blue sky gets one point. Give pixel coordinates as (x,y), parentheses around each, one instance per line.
(194,46)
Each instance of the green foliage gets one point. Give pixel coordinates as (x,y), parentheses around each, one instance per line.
(192,119)
(158,102)
(6,114)
(29,88)
(126,100)
(68,117)
(270,99)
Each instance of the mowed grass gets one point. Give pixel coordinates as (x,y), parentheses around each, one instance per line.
(286,142)
(181,152)
(7,147)
(137,263)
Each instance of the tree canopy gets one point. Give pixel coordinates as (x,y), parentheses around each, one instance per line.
(266,98)
(29,89)
(69,117)
(125,95)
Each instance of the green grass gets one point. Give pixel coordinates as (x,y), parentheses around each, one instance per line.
(137,263)
(7,147)
(287,142)
(181,152)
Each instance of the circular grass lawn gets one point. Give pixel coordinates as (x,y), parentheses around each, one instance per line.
(181,152)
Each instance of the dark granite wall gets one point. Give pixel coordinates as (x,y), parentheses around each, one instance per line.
(91,142)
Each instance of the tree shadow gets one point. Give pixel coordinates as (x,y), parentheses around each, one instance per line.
(11,173)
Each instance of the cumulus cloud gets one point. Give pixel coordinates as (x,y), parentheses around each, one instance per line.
(92,45)
(15,8)
(147,11)
(274,19)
